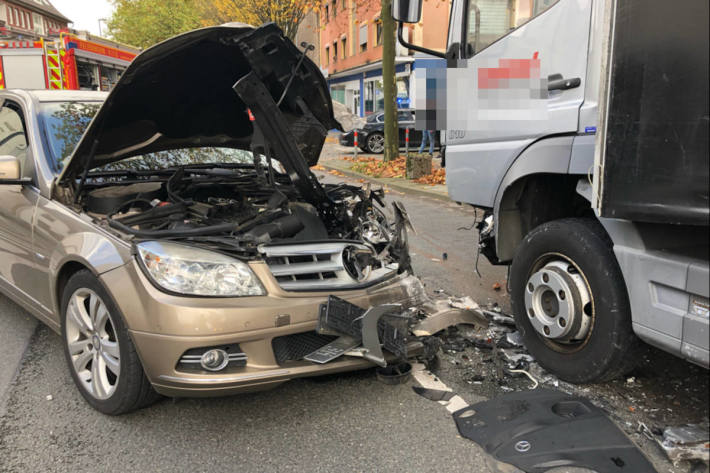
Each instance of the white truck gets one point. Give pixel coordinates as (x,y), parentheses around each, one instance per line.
(580,127)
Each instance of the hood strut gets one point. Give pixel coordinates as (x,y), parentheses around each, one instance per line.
(282,143)
(306,47)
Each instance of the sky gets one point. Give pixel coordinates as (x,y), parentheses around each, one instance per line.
(85,13)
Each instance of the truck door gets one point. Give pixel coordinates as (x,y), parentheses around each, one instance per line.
(506,55)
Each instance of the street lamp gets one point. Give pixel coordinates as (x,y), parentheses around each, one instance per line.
(100,20)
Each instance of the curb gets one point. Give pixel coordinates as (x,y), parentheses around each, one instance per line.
(401,188)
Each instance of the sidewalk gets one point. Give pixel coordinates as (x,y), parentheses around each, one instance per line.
(331,159)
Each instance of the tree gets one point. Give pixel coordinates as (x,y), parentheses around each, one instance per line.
(144,23)
(389,83)
(287,14)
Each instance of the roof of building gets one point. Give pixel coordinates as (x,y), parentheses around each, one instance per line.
(43,6)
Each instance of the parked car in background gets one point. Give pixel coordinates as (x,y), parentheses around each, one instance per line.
(371,138)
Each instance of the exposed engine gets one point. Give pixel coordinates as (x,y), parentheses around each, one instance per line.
(235,208)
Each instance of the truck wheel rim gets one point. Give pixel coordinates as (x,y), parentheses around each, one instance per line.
(376,143)
(559,304)
(92,344)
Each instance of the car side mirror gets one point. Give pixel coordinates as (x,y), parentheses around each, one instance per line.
(10,171)
(407,11)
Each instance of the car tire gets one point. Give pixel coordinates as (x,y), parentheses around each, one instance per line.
(375,143)
(568,266)
(100,354)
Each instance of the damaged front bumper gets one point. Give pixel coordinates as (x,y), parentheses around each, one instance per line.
(269,337)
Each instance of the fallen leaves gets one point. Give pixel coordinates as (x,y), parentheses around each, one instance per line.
(438,176)
(318,167)
(397,168)
(335,172)
(377,167)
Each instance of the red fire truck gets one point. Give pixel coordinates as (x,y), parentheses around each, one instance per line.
(67,63)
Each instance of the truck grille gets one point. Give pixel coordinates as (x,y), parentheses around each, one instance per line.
(321,266)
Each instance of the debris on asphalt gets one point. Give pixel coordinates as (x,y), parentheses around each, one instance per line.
(496,286)
(499,317)
(49,397)
(431,387)
(394,374)
(511,340)
(534,430)
(689,442)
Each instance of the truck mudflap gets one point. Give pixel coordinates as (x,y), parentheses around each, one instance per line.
(394,328)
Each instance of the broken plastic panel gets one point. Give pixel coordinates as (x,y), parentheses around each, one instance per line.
(543,429)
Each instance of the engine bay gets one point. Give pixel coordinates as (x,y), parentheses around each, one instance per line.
(234,208)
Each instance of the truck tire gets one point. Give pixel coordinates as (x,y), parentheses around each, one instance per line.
(102,359)
(570,302)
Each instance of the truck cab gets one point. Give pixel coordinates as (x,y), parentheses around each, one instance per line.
(580,128)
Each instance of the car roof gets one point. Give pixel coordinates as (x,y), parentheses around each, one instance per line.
(63,95)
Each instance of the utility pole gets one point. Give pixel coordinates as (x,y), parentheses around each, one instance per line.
(389,82)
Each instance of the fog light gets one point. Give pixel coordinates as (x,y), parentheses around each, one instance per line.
(214,360)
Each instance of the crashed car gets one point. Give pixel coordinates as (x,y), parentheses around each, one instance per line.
(172,233)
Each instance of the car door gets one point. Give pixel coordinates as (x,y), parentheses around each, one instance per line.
(18,272)
(509,52)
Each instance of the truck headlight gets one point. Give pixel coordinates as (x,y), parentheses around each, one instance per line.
(193,271)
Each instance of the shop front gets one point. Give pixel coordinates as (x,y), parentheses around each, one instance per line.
(361,89)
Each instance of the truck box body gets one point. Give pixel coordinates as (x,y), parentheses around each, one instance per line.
(654,143)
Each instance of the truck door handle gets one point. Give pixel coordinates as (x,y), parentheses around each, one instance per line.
(557,82)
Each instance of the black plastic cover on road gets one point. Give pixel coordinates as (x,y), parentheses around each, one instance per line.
(543,429)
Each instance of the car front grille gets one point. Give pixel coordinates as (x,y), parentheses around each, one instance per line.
(319,266)
(295,347)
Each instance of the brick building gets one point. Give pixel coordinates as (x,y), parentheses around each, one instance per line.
(351,51)
(28,20)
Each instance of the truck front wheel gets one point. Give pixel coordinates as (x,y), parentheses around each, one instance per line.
(570,302)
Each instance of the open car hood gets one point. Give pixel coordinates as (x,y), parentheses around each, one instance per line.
(179,93)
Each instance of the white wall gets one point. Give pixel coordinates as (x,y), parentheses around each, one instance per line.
(24,72)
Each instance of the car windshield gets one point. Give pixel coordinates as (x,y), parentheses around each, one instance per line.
(65,122)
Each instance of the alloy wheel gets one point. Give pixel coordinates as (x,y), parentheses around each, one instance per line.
(376,143)
(92,343)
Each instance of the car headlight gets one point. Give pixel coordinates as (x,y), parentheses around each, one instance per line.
(194,271)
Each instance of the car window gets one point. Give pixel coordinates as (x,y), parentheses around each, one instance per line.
(13,138)
(63,124)
(487,21)
(381,118)
(405,116)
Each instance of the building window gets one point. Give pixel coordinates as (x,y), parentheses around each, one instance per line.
(327,55)
(327,13)
(335,7)
(37,23)
(335,51)
(374,96)
(363,38)
(344,47)
(378,31)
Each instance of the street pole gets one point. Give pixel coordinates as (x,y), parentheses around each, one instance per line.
(100,20)
(389,82)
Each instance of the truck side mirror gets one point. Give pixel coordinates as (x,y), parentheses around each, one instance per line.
(10,171)
(407,11)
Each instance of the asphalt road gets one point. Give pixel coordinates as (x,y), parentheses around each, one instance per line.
(348,422)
